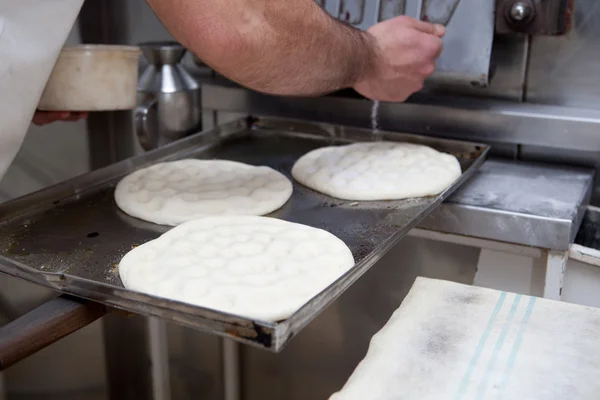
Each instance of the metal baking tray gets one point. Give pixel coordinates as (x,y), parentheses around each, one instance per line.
(71,236)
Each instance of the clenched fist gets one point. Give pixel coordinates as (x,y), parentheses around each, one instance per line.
(406,53)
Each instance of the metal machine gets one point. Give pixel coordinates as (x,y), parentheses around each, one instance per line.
(519,75)
(169,97)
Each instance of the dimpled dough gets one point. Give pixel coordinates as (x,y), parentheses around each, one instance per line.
(256,267)
(377,171)
(171,193)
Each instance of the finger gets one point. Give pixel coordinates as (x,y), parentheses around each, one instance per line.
(53,115)
(41,119)
(57,115)
(440,30)
(438,47)
(402,95)
(408,86)
(429,28)
(416,86)
(76,116)
(46,117)
(429,50)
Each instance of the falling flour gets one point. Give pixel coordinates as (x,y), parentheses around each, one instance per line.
(374,112)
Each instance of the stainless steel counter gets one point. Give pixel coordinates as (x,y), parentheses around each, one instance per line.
(518,202)
(511,201)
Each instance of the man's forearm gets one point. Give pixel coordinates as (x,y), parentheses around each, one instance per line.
(287,47)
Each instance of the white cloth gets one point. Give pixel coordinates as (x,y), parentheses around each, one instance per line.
(32,33)
(458,342)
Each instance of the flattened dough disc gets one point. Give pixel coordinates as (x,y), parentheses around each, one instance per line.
(377,171)
(174,192)
(256,267)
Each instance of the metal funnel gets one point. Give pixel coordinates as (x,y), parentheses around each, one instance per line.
(162,53)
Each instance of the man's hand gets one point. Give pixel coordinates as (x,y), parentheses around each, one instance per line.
(47,117)
(406,56)
(295,48)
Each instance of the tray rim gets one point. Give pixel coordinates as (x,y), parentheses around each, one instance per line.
(238,328)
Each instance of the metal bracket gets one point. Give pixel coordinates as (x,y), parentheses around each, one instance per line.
(534,17)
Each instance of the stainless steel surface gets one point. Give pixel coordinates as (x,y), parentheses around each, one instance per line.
(463,118)
(169,100)
(391,8)
(72,236)
(465,60)
(517,202)
(564,70)
(507,73)
(439,11)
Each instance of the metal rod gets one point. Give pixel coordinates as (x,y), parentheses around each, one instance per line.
(45,325)
(159,357)
(231,370)
(128,368)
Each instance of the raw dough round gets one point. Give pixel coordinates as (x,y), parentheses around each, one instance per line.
(377,171)
(256,267)
(174,192)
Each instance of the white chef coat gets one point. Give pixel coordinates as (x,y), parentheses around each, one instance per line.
(32,33)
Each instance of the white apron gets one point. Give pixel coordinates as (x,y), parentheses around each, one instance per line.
(32,33)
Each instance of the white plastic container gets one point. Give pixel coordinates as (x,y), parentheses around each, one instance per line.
(93,78)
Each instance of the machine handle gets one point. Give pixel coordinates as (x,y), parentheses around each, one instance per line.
(144,128)
(45,325)
(438,11)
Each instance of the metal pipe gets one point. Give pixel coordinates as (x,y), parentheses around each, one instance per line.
(231,370)
(159,357)
(45,325)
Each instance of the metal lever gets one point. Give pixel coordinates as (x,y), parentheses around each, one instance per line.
(438,11)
